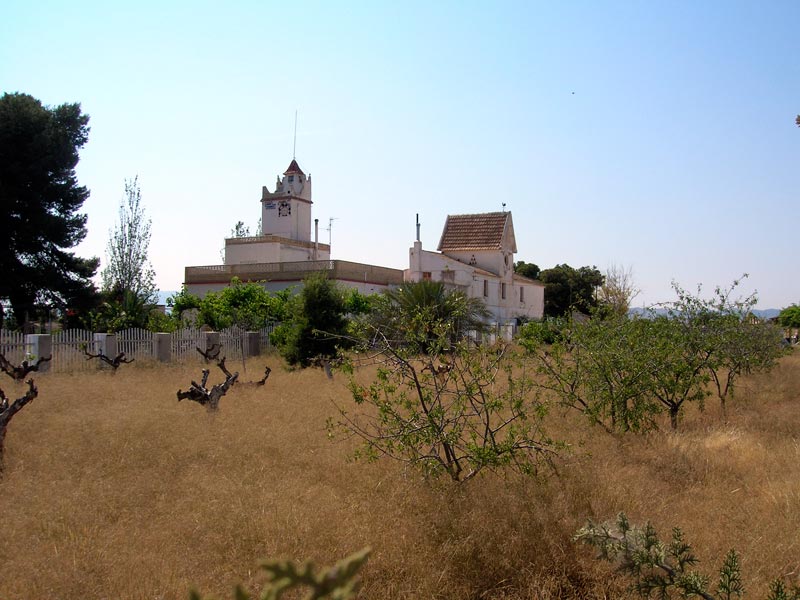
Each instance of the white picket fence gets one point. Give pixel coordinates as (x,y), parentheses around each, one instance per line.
(12,345)
(69,347)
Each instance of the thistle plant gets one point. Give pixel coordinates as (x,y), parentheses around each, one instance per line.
(665,569)
(339,582)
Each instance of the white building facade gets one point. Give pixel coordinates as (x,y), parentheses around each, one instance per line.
(476,255)
(287,249)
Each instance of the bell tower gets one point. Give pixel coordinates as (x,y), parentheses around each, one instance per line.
(286,212)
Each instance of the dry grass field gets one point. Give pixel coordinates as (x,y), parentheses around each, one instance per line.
(113,489)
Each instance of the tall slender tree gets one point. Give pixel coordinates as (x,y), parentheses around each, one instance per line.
(129,273)
(39,203)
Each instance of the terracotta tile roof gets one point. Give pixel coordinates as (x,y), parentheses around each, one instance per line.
(474,232)
(522,279)
(293,168)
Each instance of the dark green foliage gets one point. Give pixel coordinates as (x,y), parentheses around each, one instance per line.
(357,303)
(547,331)
(119,310)
(665,569)
(453,413)
(180,302)
(247,305)
(39,202)
(425,314)
(567,289)
(529,270)
(790,317)
(598,368)
(339,582)
(316,324)
(622,372)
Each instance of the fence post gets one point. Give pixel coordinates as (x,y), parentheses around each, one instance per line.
(491,336)
(162,347)
(507,331)
(39,345)
(211,340)
(105,344)
(252,343)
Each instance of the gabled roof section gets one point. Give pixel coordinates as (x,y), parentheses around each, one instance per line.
(484,231)
(521,279)
(293,168)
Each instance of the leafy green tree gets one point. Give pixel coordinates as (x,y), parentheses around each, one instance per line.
(677,364)
(129,289)
(129,270)
(725,335)
(39,202)
(357,303)
(790,317)
(598,368)
(247,305)
(179,303)
(529,270)
(567,289)
(622,372)
(547,331)
(415,314)
(316,325)
(456,411)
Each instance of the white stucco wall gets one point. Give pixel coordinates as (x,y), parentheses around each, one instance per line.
(296,225)
(471,280)
(201,289)
(239,251)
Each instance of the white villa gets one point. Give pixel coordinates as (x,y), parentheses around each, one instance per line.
(475,255)
(285,253)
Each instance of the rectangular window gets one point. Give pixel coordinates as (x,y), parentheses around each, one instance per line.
(426,276)
(485,289)
(291,178)
(521,294)
(503,291)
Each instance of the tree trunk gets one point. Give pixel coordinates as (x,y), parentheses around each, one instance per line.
(673,416)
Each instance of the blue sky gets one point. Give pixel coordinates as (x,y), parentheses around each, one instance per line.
(655,136)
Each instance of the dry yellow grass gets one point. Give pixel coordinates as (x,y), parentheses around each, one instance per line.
(113,489)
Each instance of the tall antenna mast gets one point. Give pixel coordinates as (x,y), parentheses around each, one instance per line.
(294,146)
(330,227)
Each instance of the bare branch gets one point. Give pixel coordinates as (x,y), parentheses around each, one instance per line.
(113,362)
(7,411)
(19,373)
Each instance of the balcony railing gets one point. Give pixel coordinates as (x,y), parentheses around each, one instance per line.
(335,269)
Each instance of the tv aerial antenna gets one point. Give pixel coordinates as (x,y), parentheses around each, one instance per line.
(294,144)
(330,229)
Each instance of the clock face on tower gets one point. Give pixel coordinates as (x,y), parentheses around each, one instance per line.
(284,209)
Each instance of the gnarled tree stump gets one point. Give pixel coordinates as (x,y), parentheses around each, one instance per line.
(19,373)
(198,392)
(8,410)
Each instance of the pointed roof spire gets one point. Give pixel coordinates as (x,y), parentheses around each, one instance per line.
(293,168)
